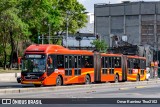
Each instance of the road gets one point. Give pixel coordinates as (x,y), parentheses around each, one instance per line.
(132,91)
(7,85)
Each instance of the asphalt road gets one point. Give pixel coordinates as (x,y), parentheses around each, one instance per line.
(140,91)
(6,85)
(132,91)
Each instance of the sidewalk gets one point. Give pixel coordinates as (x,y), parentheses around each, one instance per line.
(9,77)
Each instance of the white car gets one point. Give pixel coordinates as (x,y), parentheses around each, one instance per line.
(148,73)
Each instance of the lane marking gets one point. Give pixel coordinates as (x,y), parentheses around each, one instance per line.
(123,88)
(140,86)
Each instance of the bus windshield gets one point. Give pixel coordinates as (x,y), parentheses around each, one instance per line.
(34,65)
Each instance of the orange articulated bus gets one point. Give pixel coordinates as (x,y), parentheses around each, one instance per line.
(56,65)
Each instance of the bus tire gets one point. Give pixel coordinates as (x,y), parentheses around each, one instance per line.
(116,78)
(138,78)
(87,79)
(58,81)
(37,85)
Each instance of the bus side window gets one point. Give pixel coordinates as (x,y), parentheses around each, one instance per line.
(110,62)
(117,62)
(106,62)
(136,64)
(50,62)
(103,62)
(79,62)
(87,61)
(60,61)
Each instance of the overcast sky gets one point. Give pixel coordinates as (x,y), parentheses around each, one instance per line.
(89,4)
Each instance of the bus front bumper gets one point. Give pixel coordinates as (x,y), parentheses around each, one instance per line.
(31,82)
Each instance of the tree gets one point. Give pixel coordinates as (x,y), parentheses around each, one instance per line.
(39,15)
(75,12)
(100,45)
(11,25)
(42,14)
(24,19)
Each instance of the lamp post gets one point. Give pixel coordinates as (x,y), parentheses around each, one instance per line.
(67,24)
(49,33)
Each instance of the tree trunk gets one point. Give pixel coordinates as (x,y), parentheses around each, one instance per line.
(4,43)
(12,49)
(17,53)
(5,60)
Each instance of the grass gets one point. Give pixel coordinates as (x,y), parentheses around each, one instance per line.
(13,70)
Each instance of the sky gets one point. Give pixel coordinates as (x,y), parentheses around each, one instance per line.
(89,4)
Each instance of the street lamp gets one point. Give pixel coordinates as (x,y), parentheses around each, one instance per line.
(67,24)
(49,33)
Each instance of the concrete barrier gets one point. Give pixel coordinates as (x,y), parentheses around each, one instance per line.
(9,77)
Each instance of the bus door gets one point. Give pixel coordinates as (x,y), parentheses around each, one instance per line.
(142,69)
(111,64)
(51,66)
(104,74)
(131,70)
(68,69)
(77,70)
(97,67)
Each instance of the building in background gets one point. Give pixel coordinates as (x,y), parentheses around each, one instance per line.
(84,37)
(138,23)
(80,41)
(89,28)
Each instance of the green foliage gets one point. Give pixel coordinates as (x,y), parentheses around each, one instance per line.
(75,13)
(23,20)
(100,46)
(39,15)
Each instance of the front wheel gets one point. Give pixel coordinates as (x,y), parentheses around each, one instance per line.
(58,81)
(88,79)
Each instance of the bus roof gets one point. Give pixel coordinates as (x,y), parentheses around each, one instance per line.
(110,54)
(137,57)
(54,49)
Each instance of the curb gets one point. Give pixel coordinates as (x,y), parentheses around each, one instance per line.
(108,85)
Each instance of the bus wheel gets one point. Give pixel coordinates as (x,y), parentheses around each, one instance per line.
(58,81)
(116,79)
(138,78)
(37,85)
(88,79)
